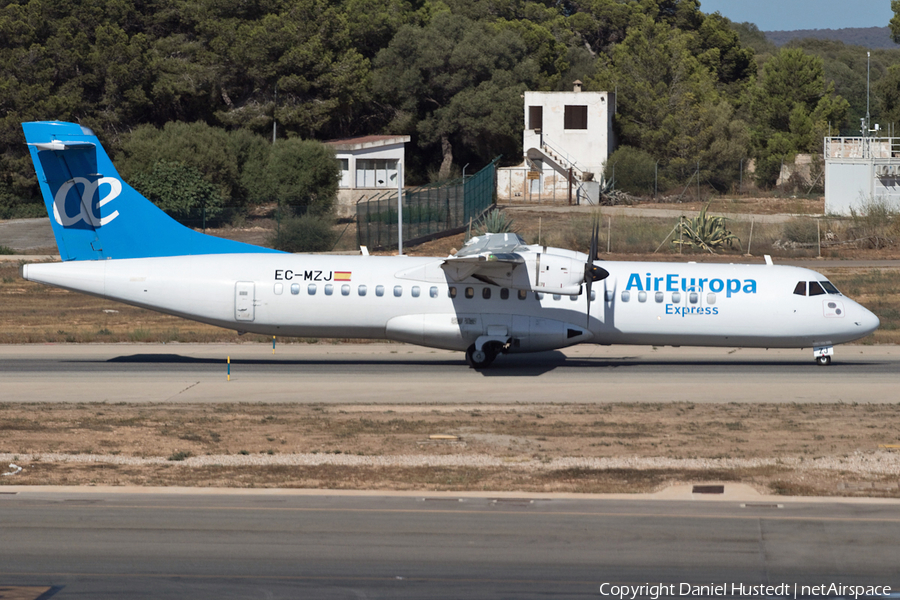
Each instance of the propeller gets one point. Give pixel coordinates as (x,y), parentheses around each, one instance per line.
(592,272)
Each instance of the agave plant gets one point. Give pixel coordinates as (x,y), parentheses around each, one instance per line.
(494,221)
(706,233)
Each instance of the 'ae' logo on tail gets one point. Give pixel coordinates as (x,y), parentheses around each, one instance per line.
(86,212)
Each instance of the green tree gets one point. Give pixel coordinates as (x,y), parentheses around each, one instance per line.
(198,145)
(182,192)
(635,170)
(790,109)
(302,175)
(456,84)
(887,94)
(895,21)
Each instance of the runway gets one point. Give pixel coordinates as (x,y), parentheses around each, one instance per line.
(396,373)
(292,545)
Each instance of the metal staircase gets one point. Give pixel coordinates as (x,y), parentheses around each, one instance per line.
(565,164)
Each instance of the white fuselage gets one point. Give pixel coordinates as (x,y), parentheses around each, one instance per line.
(411,299)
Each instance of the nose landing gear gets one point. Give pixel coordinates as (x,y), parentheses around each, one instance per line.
(823,355)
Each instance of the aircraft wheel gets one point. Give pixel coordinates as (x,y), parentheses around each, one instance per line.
(823,360)
(479,359)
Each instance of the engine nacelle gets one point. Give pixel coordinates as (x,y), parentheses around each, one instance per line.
(553,274)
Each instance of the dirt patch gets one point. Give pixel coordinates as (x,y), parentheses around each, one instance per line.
(821,449)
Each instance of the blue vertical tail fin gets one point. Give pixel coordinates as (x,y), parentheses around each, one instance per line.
(95,215)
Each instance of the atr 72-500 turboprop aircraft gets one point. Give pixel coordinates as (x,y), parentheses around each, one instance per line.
(497,295)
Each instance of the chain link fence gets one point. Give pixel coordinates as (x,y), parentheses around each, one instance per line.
(427,210)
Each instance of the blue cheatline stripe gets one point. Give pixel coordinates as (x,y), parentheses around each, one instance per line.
(95,215)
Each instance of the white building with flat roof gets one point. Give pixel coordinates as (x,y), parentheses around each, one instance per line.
(566,135)
(369,167)
(860,171)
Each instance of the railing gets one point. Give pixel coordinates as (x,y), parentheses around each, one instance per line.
(862,147)
(427,210)
(560,155)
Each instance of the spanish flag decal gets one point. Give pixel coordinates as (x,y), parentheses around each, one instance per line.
(342,275)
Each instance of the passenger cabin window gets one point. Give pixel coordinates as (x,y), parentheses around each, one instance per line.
(279,287)
(815,289)
(379,290)
(593,295)
(800,288)
(556,296)
(416,291)
(539,295)
(470,292)
(345,290)
(486,293)
(504,293)
(693,297)
(676,297)
(626,295)
(451,292)
(710,298)
(609,295)
(362,290)
(523,294)
(659,297)
(575,298)
(398,290)
(311,289)
(642,296)
(433,292)
(329,289)
(295,288)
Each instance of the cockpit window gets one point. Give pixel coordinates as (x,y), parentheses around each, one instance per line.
(829,287)
(800,288)
(815,289)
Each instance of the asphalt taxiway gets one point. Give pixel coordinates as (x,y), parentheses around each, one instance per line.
(394,373)
(202,544)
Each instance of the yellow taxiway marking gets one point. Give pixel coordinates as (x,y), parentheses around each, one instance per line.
(889,445)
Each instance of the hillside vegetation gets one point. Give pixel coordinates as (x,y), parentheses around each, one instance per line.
(189,90)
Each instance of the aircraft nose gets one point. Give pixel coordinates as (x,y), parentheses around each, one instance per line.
(865,320)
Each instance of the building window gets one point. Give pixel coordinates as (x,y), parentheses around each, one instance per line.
(376,173)
(346,180)
(535,117)
(575,117)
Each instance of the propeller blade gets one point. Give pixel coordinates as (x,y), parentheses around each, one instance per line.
(592,272)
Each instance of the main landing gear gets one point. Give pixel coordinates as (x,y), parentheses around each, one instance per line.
(823,355)
(481,359)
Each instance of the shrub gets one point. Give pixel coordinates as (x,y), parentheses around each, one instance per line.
(801,231)
(181,191)
(302,174)
(308,233)
(635,170)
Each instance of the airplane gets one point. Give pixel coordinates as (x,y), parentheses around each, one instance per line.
(497,295)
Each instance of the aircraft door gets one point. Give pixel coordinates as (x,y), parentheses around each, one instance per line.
(244,292)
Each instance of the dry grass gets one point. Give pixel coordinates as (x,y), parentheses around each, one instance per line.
(512,433)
